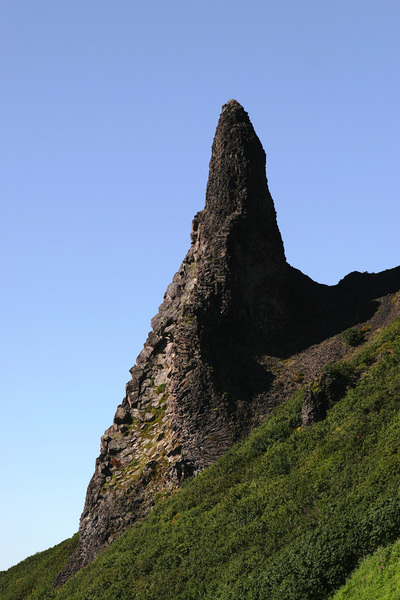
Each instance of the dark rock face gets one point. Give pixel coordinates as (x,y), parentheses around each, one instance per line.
(199,383)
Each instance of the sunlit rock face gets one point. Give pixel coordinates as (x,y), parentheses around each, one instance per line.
(202,380)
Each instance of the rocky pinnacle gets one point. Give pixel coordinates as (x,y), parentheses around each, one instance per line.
(201,381)
(237,185)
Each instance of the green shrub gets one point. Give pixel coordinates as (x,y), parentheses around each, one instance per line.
(353,336)
(342,371)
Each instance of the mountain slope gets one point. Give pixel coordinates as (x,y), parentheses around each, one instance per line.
(208,372)
(239,331)
(32,577)
(287,513)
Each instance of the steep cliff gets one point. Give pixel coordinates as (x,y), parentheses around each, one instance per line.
(204,377)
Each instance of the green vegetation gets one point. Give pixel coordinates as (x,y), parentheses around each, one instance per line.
(377,578)
(287,514)
(32,577)
(353,336)
(193,268)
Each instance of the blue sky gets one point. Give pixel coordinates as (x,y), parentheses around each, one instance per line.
(108,111)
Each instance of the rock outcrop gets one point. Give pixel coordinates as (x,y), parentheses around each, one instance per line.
(201,381)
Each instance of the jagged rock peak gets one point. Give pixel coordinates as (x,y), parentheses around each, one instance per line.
(203,379)
(179,413)
(237,187)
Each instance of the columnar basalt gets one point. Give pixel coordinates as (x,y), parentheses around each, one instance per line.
(202,379)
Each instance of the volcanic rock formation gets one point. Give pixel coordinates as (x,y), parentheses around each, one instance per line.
(201,383)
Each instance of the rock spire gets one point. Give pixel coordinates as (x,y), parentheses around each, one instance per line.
(237,185)
(182,406)
(201,381)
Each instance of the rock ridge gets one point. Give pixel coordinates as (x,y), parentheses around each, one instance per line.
(201,381)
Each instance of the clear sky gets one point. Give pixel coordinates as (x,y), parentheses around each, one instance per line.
(108,111)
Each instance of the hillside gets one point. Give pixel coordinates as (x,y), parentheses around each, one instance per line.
(255,453)
(223,349)
(288,513)
(377,577)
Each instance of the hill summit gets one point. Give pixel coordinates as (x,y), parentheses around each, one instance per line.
(205,377)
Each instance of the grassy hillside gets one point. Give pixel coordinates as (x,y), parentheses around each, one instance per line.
(377,578)
(287,514)
(33,576)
